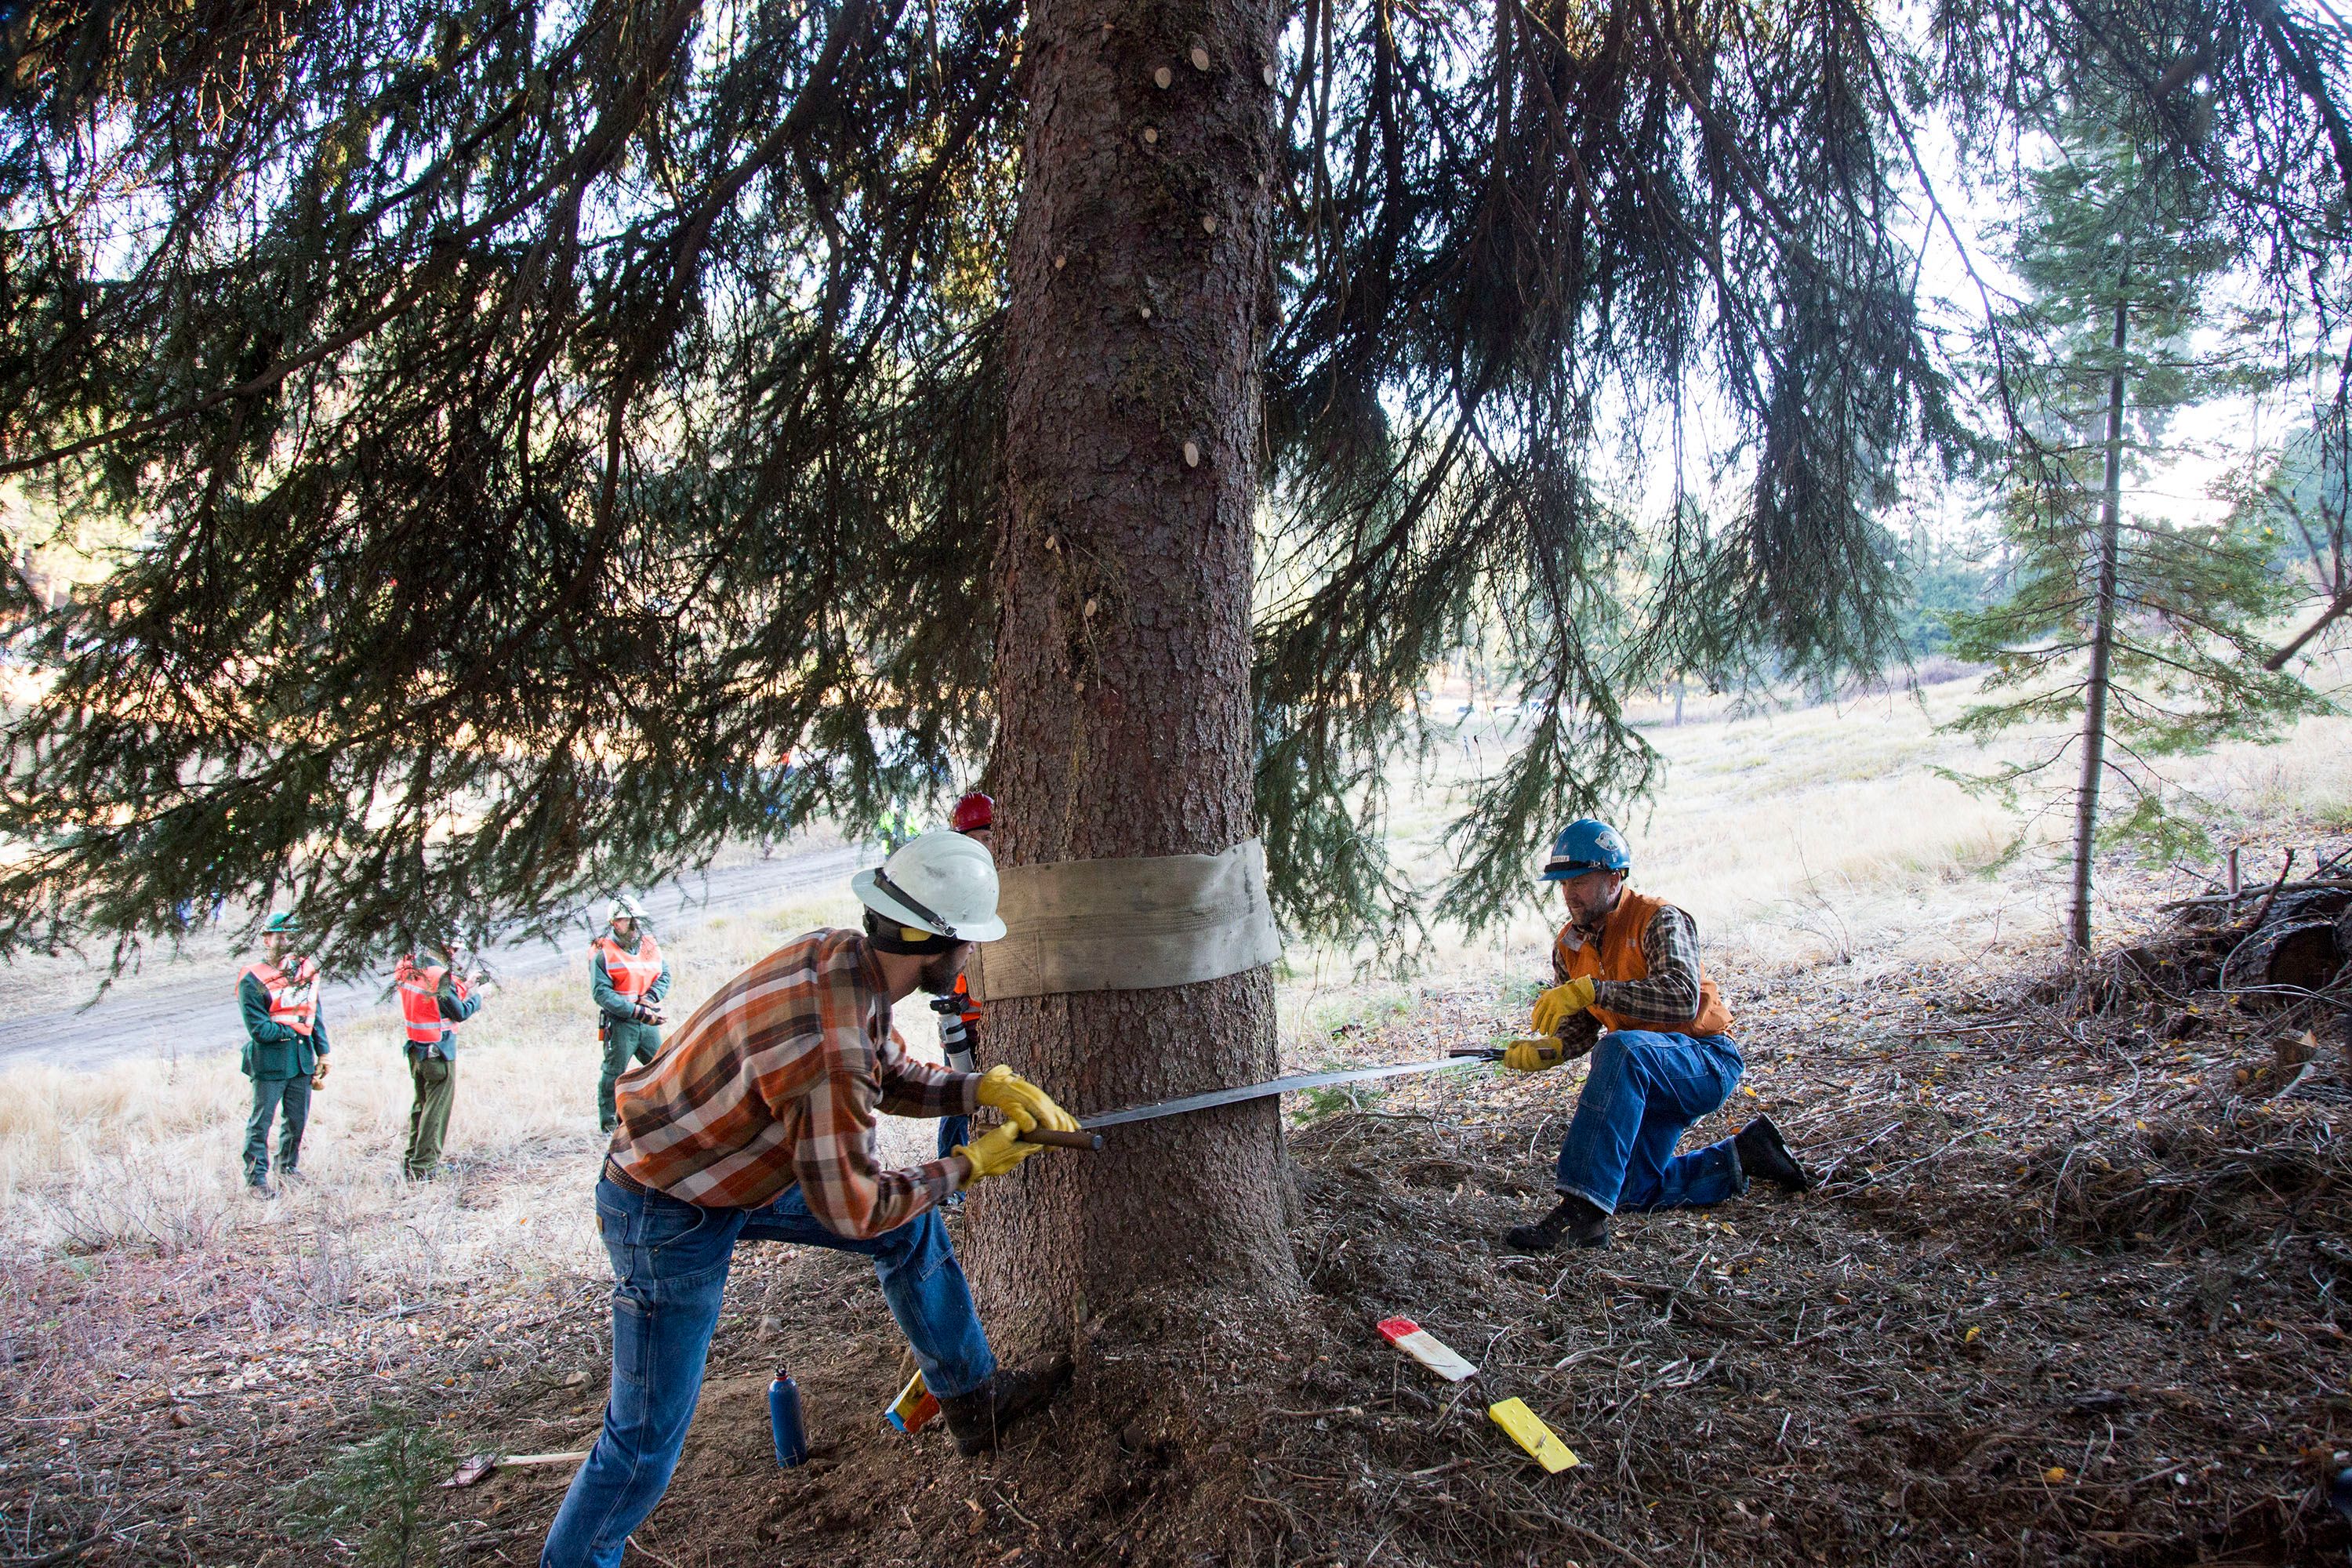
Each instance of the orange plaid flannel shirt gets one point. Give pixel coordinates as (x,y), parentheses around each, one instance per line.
(776,1080)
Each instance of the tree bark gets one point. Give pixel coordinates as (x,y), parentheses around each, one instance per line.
(1139,294)
(2102,641)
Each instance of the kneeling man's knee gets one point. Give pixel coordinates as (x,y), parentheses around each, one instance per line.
(1613,1052)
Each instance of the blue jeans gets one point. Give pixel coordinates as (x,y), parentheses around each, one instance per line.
(953,1129)
(669,1269)
(1643,1090)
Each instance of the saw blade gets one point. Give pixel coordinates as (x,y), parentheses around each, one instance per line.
(1295,1082)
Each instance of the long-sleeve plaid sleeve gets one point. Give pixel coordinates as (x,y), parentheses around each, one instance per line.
(913,1087)
(1669,994)
(777,1079)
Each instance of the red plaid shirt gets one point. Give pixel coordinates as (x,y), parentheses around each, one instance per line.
(776,1080)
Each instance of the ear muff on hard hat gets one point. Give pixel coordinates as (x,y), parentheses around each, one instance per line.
(913,941)
(942,882)
(1586,844)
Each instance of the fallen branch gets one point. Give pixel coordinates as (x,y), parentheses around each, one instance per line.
(2208,899)
(2263,913)
(57,1559)
(1596,1538)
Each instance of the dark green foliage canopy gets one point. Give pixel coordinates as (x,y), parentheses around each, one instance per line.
(547,422)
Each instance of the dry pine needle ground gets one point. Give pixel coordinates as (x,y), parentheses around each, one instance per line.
(2072,1292)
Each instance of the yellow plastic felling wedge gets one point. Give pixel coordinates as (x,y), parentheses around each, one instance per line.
(1528,1430)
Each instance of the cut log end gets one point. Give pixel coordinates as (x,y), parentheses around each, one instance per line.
(2283,959)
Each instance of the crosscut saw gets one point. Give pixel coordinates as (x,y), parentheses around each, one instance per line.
(1184,1105)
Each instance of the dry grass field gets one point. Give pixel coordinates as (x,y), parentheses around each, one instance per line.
(179,1351)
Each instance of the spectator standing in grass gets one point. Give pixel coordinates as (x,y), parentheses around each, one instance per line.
(628,977)
(285,1050)
(1665,1058)
(433,1001)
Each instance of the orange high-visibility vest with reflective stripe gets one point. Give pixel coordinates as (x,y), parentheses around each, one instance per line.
(292,1001)
(632,974)
(420,1002)
(1618,956)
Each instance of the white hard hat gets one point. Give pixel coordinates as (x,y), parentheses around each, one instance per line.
(625,907)
(941,881)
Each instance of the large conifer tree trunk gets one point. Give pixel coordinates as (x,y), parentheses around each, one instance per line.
(1139,273)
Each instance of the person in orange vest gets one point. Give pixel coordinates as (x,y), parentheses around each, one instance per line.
(1665,1058)
(629,977)
(975,818)
(285,1050)
(434,1000)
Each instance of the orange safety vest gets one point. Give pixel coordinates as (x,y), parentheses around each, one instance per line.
(970,1012)
(1618,956)
(632,974)
(420,1002)
(292,1001)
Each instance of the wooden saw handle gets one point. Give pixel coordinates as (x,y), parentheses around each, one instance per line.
(1047,1135)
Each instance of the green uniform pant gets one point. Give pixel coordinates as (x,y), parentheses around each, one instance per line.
(271,1096)
(622,1042)
(435,1078)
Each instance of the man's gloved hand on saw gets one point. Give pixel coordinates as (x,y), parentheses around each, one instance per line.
(1561,1002)
(1533,1056)
(1004,1089)
(1000,1149)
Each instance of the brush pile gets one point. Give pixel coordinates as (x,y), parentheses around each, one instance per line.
(2273,960)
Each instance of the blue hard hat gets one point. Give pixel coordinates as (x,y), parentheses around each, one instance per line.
(1586,844)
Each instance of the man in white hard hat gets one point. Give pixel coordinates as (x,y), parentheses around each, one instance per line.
(757,1124)
(629,977)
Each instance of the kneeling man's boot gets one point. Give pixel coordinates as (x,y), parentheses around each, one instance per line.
(1576,1222)
(1763,1155)
(979,1418)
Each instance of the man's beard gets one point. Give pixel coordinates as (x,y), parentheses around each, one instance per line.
(939,976)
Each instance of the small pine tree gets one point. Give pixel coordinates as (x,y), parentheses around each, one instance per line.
(371,1495)
(2142,633)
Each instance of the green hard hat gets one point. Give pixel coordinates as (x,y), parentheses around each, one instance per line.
(281,924)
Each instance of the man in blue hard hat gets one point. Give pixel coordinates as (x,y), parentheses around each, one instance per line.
(1664,1057)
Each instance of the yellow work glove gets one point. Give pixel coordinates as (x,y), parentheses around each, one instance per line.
(318,1076)
(1561,1002)
(1533,1056)
(999,1149)
(1004,1089)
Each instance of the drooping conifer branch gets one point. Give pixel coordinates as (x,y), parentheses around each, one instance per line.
(564,437)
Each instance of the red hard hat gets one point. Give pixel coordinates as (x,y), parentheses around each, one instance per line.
(972,813)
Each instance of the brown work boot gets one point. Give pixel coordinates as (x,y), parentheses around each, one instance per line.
(1574,1222)
(979,1418)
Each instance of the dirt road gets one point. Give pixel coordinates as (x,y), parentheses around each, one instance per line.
(198,1014)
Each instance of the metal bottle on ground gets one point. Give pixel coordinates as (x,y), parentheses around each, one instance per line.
(784,1415)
